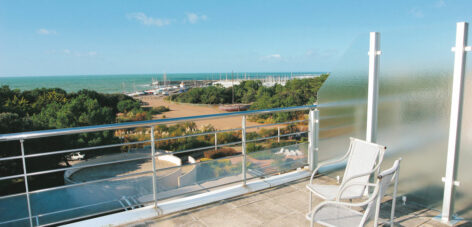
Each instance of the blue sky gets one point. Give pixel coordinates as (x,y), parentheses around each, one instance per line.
(120,37)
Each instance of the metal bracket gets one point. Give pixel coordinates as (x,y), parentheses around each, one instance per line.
(466,48)
(379,52)
(456,183)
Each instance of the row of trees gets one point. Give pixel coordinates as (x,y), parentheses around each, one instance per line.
(45,108)
(246,92)
(296,92)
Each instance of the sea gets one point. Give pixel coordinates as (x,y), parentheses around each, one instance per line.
(131,82)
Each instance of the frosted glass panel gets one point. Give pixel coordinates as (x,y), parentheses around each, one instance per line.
(415,89)
(463,203)
(342,100)
(415,86)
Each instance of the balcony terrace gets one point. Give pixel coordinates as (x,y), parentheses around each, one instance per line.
(283,205)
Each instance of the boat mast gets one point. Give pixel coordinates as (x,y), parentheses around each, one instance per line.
(232,85)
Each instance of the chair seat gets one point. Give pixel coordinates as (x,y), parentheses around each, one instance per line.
(329,192)
(335,215)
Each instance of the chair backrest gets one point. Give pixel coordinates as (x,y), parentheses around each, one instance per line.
(384,179)
(362,159)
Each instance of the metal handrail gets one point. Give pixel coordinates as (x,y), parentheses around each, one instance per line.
(138,124)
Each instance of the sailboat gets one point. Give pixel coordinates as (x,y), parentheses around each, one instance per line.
(154,83)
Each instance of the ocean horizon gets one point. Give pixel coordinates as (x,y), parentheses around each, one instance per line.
(126,82)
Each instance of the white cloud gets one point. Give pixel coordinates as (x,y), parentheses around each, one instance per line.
(416,13)
(440,3)
(271,57)
(274,56)
(194,18)
(67,51)
(43,31)
(92,53)
(146,20)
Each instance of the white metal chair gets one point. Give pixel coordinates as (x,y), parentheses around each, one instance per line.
(363,159)
(336,213)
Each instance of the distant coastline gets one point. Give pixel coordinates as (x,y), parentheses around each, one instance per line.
(123,82)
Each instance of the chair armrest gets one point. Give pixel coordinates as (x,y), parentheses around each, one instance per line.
(327,163)
(341,190)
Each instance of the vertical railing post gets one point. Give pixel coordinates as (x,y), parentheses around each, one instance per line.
(154,177)
(278,134)
(216,141)
(243,142)
(25,177)
(453,147)
(373,89)
(316,138)
(313,138)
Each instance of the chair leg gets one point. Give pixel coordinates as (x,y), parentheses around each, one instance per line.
(309,202)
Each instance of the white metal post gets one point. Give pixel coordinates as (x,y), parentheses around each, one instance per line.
(313,137)
(278,134)
(243,142)
(25,177)
(394,199)
(455,121)
(216,141)
(316,138)
(373,96)
(154,177)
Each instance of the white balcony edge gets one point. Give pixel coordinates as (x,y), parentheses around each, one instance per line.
(176,205)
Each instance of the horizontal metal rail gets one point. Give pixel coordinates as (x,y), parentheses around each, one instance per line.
(89,182)
(273,137)
(198,134)
(86,166)
(11,177)
(10,158)
(12,195)
(76,150)
(282,123)
(87,148)
(138,124)
(198,149)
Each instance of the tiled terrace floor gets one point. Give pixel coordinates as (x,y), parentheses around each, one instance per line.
(285,205)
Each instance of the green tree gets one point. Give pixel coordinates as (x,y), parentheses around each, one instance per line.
(127,105)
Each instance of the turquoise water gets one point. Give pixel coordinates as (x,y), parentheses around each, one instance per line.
(125,82)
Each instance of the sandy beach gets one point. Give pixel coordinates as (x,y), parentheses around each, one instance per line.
(185,110)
